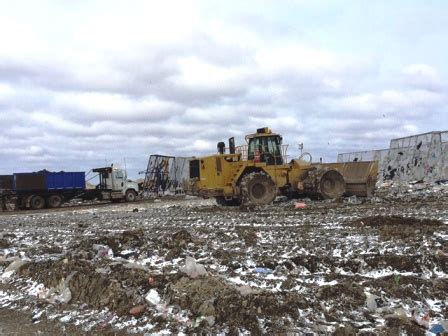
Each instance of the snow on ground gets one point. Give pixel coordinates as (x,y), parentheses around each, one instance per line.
(269,270)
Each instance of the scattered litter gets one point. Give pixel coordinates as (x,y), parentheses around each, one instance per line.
(193,269)
(103,251)
(441,327)
(263,270)
(59,294)
(245,290)
(373,302)
(421,319)
(16,265)
(137,310)
(353,200)
(299,205)
(153,297)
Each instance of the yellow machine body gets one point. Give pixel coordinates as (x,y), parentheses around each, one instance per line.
(258,172)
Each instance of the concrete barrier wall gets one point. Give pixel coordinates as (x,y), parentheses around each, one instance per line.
(422,157)
(372,155)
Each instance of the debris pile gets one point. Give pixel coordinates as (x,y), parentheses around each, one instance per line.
(188,266)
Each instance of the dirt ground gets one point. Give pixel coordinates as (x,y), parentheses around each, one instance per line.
(331,268)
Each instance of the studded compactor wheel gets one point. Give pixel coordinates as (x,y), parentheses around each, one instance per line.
(331,184)
(257,188)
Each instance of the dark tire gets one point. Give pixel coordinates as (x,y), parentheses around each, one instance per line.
(257,188)
(37,202)
(54,201)
(223,202)
(332,185)
(130,196)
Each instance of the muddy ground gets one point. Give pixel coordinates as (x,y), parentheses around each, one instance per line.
(333,267)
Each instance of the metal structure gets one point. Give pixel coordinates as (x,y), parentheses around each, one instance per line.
(165,175)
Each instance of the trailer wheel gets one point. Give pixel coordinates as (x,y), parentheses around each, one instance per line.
(130,196)
(257,188)
(37,202)
(54,201)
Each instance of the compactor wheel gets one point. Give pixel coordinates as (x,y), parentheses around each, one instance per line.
(37,202)
(332,184)
(257,188)
(54,201)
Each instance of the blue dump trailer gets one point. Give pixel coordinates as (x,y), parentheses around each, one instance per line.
(42,189)
(46,189)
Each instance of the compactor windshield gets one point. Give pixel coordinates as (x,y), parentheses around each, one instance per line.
(265,149)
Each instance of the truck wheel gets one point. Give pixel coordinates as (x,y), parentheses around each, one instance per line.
(130,196)
(332,184)
(257,188)
(37,202)
(54,201)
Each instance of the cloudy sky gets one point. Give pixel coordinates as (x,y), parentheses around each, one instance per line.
(85,83)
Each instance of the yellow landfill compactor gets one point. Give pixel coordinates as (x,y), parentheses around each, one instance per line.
(258,172)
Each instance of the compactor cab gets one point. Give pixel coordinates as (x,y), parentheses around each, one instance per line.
(265,146)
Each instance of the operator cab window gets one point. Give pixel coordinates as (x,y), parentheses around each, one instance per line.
(119,174)
(268,147)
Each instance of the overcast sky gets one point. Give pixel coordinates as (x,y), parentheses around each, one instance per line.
(85,83)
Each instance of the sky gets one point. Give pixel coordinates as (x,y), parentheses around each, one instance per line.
(85,84)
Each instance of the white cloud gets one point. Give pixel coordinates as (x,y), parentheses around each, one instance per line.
(117,80)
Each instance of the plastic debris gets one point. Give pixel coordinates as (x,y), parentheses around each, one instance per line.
(16,265)
(13,267)
(280,199)
(153,297)
(422,321)
(210,320)
(299,205)
(59,294)
(353,200)
(373,302)
(137,310)
(193,269)
(152,281)
(246,290)
(102,251)
(440,327)
(263,270)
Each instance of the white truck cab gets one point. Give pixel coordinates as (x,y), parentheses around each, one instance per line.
(115,185)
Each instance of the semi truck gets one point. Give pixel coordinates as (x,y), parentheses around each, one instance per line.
(45,189)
